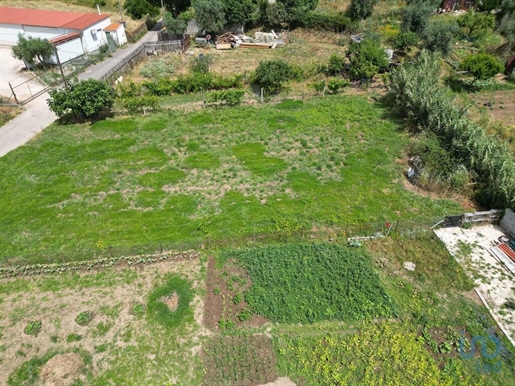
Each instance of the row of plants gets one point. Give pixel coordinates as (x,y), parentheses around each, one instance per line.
(88,265)
(305,283)
(416,95)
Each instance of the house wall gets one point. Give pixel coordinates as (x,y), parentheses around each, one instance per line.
(9,33)
(89,43)
(508,222)
(45,32)
(68,51)
(122,37)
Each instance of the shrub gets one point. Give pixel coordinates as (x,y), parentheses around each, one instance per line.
(415,16)
(139,8)
(366,59)
(361,9)
(474,22)
(439,36)
(158,311)
(160,87)
(272,73)
(33,328)
(219,82)
(85,99)
(319,86)
(84,318)
(230,97)
(191,83)
(481,66)
(405,40)
(335,66)
(140,104)
(321,21)
(200,64)
(174,26)
(334,85)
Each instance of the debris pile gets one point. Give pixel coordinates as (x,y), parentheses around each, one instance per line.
(260,40)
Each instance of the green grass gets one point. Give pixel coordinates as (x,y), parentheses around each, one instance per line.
(305,283)
(182,178)
(158,311)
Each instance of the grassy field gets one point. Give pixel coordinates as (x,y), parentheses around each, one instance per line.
(129,183)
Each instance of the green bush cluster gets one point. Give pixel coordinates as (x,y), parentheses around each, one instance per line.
(229,97)
(305,283)
(271,74)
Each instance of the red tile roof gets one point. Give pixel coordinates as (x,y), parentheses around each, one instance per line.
(112,27)
(41,18)
(64,38)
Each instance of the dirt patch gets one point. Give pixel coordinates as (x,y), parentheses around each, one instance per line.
(466,203)
(282,381)
(500,105)
(239,361)
(225,304)
(172,301)
(62,370)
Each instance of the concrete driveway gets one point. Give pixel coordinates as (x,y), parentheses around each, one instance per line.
(13,72)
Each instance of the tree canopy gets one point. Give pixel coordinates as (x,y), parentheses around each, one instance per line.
(85,99)
(209,14)
(481,66)
(28,49)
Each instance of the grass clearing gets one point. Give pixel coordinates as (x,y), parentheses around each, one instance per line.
(118,187)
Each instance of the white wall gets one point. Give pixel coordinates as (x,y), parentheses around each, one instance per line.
(122,37)
(69,50)
(9,33)
(508,222)
(91,44)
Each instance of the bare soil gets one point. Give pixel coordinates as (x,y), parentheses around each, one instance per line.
(499,104)
(112,306)
(223,284)
(62,370)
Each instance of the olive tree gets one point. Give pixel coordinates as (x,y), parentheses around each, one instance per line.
(28,49)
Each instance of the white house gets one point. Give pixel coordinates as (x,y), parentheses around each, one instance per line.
(73,33)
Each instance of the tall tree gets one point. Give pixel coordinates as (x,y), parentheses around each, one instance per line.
(209,14)
(361,9)
(415,16)
(175,7)
(439,36)
(28,49)
(239,12)
(139,8)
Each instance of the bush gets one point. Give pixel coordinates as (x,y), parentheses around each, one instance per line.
(415,16)
(405,40)
(139,8)
(272,73)
(84,318)
(140,104)
(191,83)
(439,36)
(481,66)
(474,22)
(335,66)
(334,85)
(33,328)
(160,87)
(230,97)
(361,9)
(85,99)
(174,26)
(200,64)
(218,82)
(366,59)
(158,311)
(322,21)
(319,86)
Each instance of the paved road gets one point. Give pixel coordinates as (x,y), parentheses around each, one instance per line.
(36,115)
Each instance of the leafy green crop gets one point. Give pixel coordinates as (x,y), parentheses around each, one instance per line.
(312,282)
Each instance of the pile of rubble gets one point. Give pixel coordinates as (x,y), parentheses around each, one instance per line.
(229,40)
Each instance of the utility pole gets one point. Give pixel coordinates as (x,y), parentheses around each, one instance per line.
(162,12)
(120,9)
(60,67)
